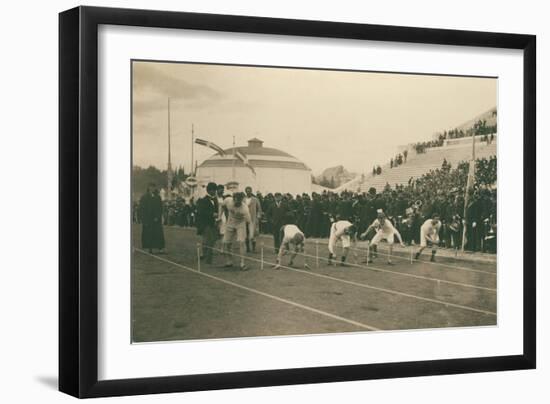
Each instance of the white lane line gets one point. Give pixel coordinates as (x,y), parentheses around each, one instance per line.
(427,278)
(428,262)
(309,242)
(367,286)
(280,299)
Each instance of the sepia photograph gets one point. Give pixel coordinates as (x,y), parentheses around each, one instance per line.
(282,201)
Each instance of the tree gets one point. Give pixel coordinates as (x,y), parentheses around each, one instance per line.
(142,177)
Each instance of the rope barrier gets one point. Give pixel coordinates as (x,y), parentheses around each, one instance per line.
(317,253)
(262,255)
(372,268)
(377,269)
(424,262)
(367,286)
(199,257)
(457,267)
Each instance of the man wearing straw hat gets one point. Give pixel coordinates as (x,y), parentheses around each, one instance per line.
(385,231)
(292,239)
(341,230)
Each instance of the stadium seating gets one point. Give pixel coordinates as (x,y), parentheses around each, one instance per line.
(419,164)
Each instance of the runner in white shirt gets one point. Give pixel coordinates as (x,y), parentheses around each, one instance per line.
(292,239)
(344,231)
(252,228)
(222,218)
(385,231)
(429,235)
(235,228)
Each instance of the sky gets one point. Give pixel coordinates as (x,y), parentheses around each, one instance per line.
(324,118)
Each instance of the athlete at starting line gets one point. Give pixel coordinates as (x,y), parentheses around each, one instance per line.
(346,232)
(384,231)
(429,235)
(292,239)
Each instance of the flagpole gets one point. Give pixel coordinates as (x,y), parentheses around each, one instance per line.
(471,176)
(169,170)
(233,167)
(192,148)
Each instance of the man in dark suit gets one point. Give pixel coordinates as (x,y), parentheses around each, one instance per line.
(207,221)
(278,216)
(150,214)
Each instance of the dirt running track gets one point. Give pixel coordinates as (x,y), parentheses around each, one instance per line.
(171,300)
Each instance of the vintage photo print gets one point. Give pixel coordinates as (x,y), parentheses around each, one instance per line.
(275,201)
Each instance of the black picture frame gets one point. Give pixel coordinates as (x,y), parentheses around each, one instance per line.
(78,200)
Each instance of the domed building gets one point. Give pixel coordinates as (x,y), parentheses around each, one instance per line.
(275,170)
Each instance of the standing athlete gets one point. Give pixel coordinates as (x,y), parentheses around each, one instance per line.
(292,239)
(253,227)
(235,229)
(344,231)
(429,235)
(384,231)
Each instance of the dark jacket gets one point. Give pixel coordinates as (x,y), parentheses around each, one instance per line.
(207,213)
(278,215)
(150,213)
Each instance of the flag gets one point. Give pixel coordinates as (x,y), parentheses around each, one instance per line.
(471,175)
(244,159)
(469,185)
(211,145)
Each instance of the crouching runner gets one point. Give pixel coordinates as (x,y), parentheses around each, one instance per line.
(292,240)
(344,231)
(429,236)
(385,231)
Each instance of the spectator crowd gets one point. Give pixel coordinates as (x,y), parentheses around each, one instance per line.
(400,158)
(439,191)
(480,128)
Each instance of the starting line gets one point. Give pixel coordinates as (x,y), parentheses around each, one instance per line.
(433,264)
(457,267)
(367,286)
(279,299)
(427,278)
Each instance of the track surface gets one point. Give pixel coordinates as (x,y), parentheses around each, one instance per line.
(171,300)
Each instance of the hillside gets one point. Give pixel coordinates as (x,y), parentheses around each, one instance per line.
(333,177)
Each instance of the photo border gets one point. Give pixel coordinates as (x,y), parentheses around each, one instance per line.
(78,192)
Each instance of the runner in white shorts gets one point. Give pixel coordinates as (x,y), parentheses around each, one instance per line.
(429,235)
(385,231)
(235,228)
(222,215)
(292,239)
(344,231)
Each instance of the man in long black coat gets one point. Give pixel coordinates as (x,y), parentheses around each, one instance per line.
(150,213)
(278,215)
(207,221)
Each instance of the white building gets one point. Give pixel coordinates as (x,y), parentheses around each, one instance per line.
(276,170)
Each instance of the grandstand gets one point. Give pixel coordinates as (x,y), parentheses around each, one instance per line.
(490,118)
(453,149)
(419,164)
